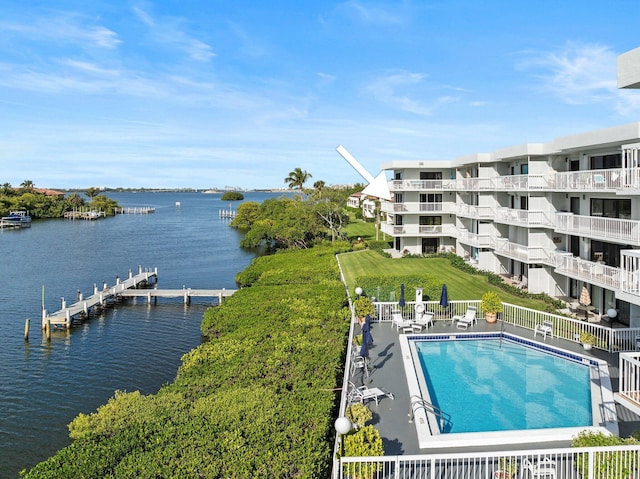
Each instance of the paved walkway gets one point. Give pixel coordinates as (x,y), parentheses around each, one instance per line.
(391,418)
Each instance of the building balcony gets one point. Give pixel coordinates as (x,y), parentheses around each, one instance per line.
(599,180)
(475,239)
(519,252)
(421,185)
(592,272)
(528,182)
(596,227)
(418,208)
(528,218)
(419,230)
(474,211)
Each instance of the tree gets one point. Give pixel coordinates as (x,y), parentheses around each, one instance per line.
(27,185)
(92,192)
(6,189)
(297,179)
(319,186)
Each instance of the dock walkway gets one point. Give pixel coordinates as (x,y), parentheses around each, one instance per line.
(135,286)
(99,299)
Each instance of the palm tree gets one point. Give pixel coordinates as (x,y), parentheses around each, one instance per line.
(297,178)
(27,185)
(319,186)
(6,189)
(91,192)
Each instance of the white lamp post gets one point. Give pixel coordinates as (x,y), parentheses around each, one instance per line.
(343,426)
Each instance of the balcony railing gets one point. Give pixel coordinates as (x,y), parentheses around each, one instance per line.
(419,207)
(475,239)
(529,218)
(419,230)
(593,272)
(589,180)
(420,185)
(527,254)
(524,182)
(606,229)
(629,386)
(474,211)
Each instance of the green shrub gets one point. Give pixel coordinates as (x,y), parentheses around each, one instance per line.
(612,465)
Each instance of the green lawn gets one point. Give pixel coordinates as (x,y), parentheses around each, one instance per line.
(460,285)
(365,230)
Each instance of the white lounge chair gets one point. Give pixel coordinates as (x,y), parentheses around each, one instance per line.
(546,328)
(543,469)
(469,318)
(364,393)
(399,322)
(423,321)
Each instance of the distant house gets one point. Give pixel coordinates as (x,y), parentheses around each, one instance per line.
(48,192)
(364,202)
(354,200)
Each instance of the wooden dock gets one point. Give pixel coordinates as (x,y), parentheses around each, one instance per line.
(143,210)
(135,286)
(186,294)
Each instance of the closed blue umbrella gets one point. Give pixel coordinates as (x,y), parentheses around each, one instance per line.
(366,331)
(364,349)
(444,297)
(401,302)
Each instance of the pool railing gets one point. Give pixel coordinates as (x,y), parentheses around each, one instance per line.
(611,462)
(607,338)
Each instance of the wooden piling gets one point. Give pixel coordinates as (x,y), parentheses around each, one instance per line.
(47,329)
(26,330)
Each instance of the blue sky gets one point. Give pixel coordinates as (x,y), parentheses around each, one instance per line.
(214,93)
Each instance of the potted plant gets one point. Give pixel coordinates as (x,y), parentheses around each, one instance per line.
(491,305)
(363,306)
(507,468)
(587,339)
(358,414)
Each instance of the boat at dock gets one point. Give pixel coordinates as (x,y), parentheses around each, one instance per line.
(16,219)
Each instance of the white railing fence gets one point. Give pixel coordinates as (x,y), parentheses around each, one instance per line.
(613,462)
(607,339)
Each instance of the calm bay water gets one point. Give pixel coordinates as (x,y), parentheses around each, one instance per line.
(134,346)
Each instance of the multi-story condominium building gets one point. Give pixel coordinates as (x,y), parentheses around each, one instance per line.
(557,215)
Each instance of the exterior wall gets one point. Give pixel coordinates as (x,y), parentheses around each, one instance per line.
(525,211)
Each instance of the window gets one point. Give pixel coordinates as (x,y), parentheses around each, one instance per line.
(430,220)
(603,162)
(524,169)
(611,208)
(430,175)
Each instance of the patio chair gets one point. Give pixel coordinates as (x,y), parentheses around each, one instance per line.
(423,321)
(542,469)
(359,363)
(399,322)
(364,393)
(469,318)
(546,328)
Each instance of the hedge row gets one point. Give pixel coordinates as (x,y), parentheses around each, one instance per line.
(256,399)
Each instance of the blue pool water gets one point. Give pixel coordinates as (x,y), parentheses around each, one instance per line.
(497,385)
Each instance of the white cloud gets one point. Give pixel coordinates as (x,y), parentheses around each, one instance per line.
(577,74)
(64,28)
(372,14)
(169,31)
(395,91)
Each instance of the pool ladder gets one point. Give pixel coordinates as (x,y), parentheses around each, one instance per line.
(417,402)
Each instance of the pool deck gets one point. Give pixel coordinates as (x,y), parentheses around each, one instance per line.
(391,417)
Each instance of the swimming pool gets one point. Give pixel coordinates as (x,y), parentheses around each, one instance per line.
(499,388)
(496,385)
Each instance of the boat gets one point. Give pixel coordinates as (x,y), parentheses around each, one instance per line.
(17,218)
